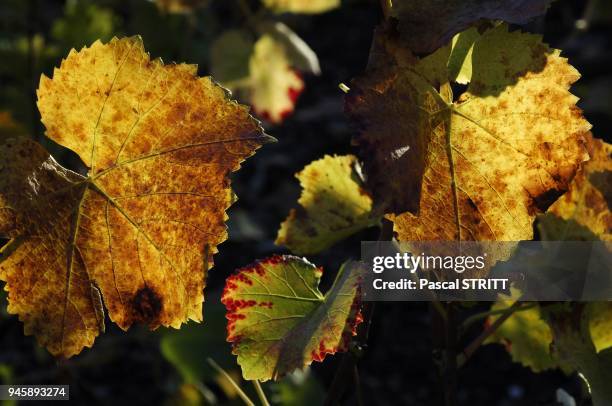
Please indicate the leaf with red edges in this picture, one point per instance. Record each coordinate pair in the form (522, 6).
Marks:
(274, 85)
(278, 320)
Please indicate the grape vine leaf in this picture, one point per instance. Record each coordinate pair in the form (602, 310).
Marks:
(584, 211)
(301, 6)
(262, 73)
(574, 349)
(489, 161)
(427, 25)
(333, 206)
(139, 230)
(279, 321)
(527, 335)
(600, 319)
(275, 85)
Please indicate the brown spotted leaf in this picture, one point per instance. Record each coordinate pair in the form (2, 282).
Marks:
(584, 211)
(138, 231)
(490, 159)
(426, 25)
(278, 320)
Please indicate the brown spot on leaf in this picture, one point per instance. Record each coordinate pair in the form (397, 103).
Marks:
(542, 202)
(146, 305)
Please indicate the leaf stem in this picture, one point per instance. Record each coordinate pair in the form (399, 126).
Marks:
(247, 401)
(348, 364)
(260, 393)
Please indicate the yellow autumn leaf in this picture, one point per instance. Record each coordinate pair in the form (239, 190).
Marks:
(301, 6)
(584, 209)
(600, 315)
(274, 85)
(333, 206)
(138, 231)
(490, 159)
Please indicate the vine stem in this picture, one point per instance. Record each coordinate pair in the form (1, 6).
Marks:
(348, 364)
(260, 393)
(479, 316)
(245, 398)
(444, 340)
(487, 332)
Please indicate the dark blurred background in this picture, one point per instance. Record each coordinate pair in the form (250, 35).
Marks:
(169, 367)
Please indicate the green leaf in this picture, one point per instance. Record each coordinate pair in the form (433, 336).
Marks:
(333, 206)
(574, 349)
(525, 334)
(600, 319)
(528, 336)
(460, 58)
(279, 321)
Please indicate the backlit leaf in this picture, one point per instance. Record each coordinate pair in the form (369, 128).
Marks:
(526, 336)
(138, 231)
(301, 6)
(489, 160)
(426, 25)
(278, 320)
(274, 85)
(333, 206)
(600, 319)
(574, 349)
(587, 202)
(262, 74)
